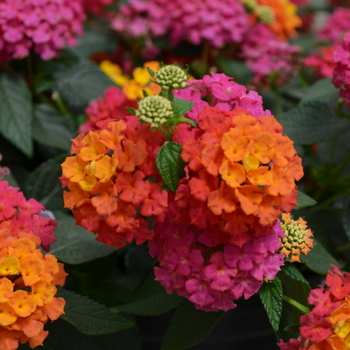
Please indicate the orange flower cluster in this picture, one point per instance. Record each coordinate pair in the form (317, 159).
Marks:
(286, 21)
(141, 80)
(107, 181)
(27, 290)
(298, 237)
(241, 170)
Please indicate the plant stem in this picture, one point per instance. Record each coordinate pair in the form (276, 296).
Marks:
(296, 304)
(279, 108)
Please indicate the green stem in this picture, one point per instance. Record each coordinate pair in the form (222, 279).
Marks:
(300, 307)
(279, 108)
(60, 106)
(343, 247)
(165, 133)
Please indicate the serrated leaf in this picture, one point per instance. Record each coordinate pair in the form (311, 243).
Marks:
(312, 122)
(43, 184)
(181, 106)
(75, 245)
(170, 165)
(52, 128)
(189, 326)
(150, 300)
(304, 201)
(81, 83)
(271, 296)
(90, 317)
(16, 111)
(323, 91)
(290, 270)
(318, 259)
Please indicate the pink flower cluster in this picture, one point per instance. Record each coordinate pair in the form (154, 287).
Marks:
(341, 76)
(337, 24)
(112, 106)
(45, 25)
(322, 62)
(219, 22)
(224, 93)
(204, 267)
(265, 54)
(20, 215)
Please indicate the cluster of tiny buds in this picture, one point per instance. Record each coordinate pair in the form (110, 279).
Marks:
(265, 14)
(171, 77)
(155, 110)
(298, 237)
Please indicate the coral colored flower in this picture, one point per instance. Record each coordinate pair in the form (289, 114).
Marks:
(322, 62)
(298, 238)
(47, 26)
(18, 214)
(327, 326)
(108, 179)
(286, 21)
(28, 282)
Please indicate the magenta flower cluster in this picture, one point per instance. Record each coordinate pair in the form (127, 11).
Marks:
(336, 25)
(20, 215)
(212, 275)
(225, 94)
(219, 22)
(45, 25)
(341, 75)
(264, 52)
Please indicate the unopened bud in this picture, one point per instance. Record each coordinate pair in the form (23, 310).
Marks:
(171, 77)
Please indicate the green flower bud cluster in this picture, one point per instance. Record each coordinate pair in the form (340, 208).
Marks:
(171, 77)
(155, 110)
(265, 14)
(250, 5)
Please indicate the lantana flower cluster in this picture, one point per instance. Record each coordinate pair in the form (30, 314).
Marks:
(222, 22)
(327, 326)
(28, 282)
(341, 76)
(20, 215)
(47, 26)
(217, 235)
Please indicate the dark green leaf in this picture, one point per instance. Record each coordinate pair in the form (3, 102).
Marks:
(271, 296)
(237, 70)
(318, 259)
(75, 245)
(312, 122)
(323, 91)
(150, 300)
(181, 106)
(16, 111)
(290, 270)
(43, 184)
(346, 216)
(52, 128)
(90, 317)
(304, 201)
(131, 110)
(189, 326)
(95, 39)
(81, 83)
(170, 164)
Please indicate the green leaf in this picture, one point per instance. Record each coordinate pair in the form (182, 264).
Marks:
(290, 270)
(189, 326)
(151, 72)
(271, 296)
(90, 317)
(304, 201)
(181, 106)
(43, 184)
(81, 83)
(75, 245)
(52, 128)
(236, 69)
(170, 164)
(323, 91)
(131, 110)
(345, 216)
(318, 259)
(150, 300)
(312, 122)
(16, 111)
(95, 39)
